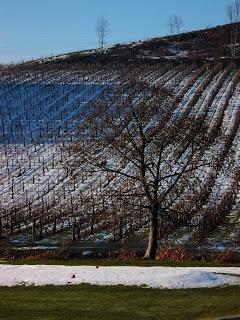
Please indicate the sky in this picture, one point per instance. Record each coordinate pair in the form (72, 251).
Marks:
(38, 28)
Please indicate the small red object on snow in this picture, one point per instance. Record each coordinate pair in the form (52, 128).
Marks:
(73, 276)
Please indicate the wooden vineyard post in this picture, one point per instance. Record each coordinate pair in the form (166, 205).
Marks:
(73, 232)
(55, 224)
(11, 225)
(41, 228)
(120, 228)
(79, 229)
(34, 229)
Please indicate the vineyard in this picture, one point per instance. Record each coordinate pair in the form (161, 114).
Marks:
(43, 191)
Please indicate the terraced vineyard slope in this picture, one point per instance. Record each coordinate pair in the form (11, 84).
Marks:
(42, 190)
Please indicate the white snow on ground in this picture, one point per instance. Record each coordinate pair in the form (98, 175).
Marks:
(154, 277)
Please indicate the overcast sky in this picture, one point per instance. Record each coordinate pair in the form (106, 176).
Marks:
(35, 28)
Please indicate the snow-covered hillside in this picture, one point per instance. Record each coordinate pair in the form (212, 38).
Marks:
(39, 114)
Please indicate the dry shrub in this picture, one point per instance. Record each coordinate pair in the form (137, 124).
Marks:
(126, 253)
(174, 253)
(228, 256)
(33, 254)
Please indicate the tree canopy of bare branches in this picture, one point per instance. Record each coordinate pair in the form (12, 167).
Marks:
(233, 15)
(135, 138)
(102, 29)
(175, 24)
(171, 25)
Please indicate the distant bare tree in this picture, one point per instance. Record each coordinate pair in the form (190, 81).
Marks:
(230, 16)
(178, 23)
(170, 25)
(230, 13)
(233, 15)
(102, 30)
(175, 24)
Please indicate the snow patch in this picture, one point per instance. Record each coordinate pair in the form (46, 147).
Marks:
(153, 277)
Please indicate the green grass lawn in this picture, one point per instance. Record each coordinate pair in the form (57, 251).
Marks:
(119, 262)
(87, 302)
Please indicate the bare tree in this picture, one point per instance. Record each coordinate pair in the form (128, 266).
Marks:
(230, 16)
(236, 20)
(102, 30)
(170, 25)
(135, 138)
(178, 23)
(175, 24)
(233, 15)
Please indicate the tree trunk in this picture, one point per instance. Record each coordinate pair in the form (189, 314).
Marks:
(235, 40)
(232, 45)
(153, 236)
(0, 226)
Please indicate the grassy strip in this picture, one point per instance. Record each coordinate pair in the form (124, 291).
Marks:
(118, 262)
(87, 302)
